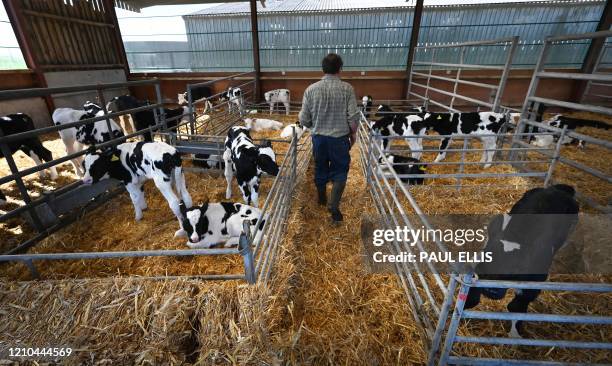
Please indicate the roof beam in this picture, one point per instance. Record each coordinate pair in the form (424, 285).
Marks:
(256, 61)
(414, 39)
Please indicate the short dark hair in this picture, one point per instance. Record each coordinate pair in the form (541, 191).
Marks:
(332, 64)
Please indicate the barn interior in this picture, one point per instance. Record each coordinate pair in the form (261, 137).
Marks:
(76, 269)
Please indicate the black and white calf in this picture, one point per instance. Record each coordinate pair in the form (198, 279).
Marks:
(77, 138)
(406, 165)
(247, 161)
(122, 103)
(561, 121)
(133, 163)
(199, 94)
(478, 124)
(523, 244)
(366, 105)
(17, 123)
(208, 161)
(278, 96)
(235, 99)
(218, 223)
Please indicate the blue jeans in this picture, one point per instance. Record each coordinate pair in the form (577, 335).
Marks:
(332, 158)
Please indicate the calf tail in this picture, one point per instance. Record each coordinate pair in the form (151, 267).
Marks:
(181, 186)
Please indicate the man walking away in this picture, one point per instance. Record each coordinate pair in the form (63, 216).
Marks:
(329, 109)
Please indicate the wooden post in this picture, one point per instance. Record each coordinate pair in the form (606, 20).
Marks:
(414, 39)
(595, 48)
(255, 36)
(109, 8)
(18, 22)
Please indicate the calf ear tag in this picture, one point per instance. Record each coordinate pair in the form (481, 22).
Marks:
(114, 158)
(439, 117)
(422, 168)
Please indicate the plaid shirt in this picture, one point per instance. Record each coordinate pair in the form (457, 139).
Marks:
(329, 105)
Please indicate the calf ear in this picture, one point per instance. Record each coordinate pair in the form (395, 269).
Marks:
(183, 209)
(266, 143)
(266, 164)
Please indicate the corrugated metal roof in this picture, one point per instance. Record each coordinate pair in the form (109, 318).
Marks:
(286, 6)
(306, 6)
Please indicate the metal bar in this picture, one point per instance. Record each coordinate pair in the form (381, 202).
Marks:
(414, 39)
(467, 66)
(570, 105)
(473, 361)
(109, 8)
(118, 254)
(244, 248)
(8, 156)
(471, 43)
(455, 319)
(533, 342)
(504, 78)
(573, 37)
(466, 82)
(555, 158)
(37, 14)
(210, 82)
(437, 338)
(535, 317)
(467, 175)
(472, 100)
(554, 286)
(44, 130)
(41, 92)
(575, 76)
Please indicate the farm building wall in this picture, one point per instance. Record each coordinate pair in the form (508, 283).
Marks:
(379, 84)
(378, 38)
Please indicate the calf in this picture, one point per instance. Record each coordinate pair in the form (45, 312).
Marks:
(234, 97)
(478, 124)
(561, 121)
(248, 161)
(198, 94)
(287, 132)
(523, 244)
(278, 96)
(17, 123)
(208, 161)
(407, 165)
(145, 119)
(76, 138)
(217, 223)
(260, 124)
(133, 163)
(122, 103)
(366, 105)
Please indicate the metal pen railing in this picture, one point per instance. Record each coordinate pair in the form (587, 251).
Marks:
(528, 120)
(494, 104)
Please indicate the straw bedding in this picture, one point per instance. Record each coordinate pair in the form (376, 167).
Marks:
(321, 307)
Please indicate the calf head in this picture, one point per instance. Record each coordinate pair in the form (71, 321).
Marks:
(383, 110)
(182, 98)
(195, 223)
(266, 159)
(99, 165)
(268, 96)
(91, 107)
(366, 101)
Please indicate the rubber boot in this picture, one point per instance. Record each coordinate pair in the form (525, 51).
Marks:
(334, 204)
(322, 194)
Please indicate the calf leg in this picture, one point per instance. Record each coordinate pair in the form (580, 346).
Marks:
(166, 190)
(519, 304)
(46, 156)
(135, 195)
(72, 148)
(227, 159)
(443, 146)
(286, 108)
(271, 107)
(415, 147)
(489, 143)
